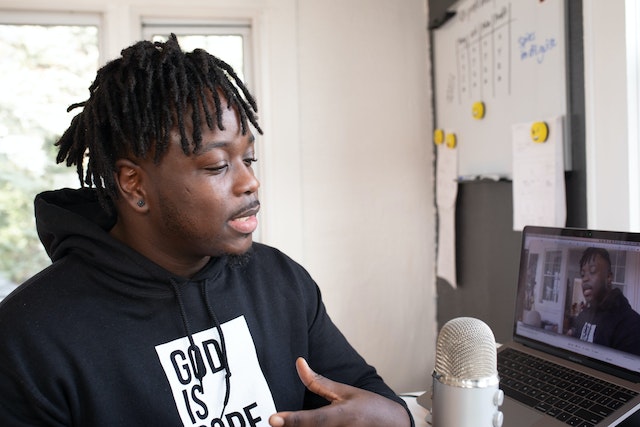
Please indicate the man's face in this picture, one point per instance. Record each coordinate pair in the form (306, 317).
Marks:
(204, 204)
(596, 279)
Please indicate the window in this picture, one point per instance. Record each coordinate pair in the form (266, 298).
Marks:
(622, 269)
(618, 267)
(551, 276)
(47, 62)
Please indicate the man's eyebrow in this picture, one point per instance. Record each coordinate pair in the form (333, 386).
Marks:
(213, 145)
(206, 147)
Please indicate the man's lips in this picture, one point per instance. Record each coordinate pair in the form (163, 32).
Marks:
(245, 222)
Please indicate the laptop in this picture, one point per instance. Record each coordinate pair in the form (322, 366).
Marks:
(569, 363)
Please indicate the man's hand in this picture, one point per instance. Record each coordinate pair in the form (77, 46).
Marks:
(349, 406)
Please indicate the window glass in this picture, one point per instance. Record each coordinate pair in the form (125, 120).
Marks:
(44, 69)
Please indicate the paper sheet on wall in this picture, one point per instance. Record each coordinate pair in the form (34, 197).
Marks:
(446, 196)
(538, 177)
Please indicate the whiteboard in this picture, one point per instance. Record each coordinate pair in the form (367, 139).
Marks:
(509, 55)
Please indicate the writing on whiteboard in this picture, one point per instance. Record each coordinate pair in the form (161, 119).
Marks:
(483, 56)
(532, 49)
(475, 6)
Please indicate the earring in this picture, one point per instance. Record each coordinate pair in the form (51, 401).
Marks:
(140, 203)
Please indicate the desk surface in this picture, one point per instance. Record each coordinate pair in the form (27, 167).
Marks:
(419, 413)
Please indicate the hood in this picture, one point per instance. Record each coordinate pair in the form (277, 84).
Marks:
(615, 301)
(66, 218)
(72, 221)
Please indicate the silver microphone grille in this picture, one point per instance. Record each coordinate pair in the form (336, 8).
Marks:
(466, 350)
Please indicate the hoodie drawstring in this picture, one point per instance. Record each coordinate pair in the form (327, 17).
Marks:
(223, 345)
(195, 355)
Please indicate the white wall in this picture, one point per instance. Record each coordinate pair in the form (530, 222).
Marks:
(343, 90)
(612, 157)
(366, 151)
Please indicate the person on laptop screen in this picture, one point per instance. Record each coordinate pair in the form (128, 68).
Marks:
(607, 317)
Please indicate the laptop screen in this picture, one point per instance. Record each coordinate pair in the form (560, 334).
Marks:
(579, 293)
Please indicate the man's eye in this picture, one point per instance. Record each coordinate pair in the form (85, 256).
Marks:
(250, 161)
(217, 169)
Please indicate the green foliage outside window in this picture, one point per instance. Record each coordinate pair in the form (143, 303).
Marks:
(44, 69)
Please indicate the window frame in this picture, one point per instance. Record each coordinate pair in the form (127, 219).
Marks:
(53, 18)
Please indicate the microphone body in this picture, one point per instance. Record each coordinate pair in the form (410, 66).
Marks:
(465, 389)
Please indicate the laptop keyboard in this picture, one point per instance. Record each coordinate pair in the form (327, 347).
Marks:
(576, 398)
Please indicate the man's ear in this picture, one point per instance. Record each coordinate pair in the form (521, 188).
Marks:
(129, 178)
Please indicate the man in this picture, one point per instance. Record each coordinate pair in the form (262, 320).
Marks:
(607, 318)
(159, 309)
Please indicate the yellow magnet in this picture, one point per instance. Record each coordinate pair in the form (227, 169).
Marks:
(539, 132)
(451, 140)
(438, 136)
(477, 110)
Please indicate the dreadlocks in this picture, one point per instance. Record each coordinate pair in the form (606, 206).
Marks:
(591, 252)
(137, 100)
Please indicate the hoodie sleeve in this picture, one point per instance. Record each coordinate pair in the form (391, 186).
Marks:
(28, 396)
(22, 406)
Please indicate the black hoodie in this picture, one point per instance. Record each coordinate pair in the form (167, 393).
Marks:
(106, 337)
(612, 323)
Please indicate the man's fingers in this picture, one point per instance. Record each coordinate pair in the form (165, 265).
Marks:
(277, 420)
(317, 383)
(320, 417)
(349, 406)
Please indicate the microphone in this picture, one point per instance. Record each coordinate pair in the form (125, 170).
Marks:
(465, 379)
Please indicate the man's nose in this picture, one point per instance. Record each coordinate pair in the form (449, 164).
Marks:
(246, 181)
